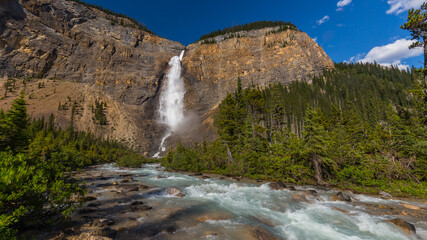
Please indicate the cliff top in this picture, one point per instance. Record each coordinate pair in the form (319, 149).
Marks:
(114, 17)
(277, 26)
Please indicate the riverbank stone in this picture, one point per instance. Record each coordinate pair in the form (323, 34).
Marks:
(404, 225)
(279, 185)
(341, 196)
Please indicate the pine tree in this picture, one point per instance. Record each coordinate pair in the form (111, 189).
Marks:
(14, 126)
(417, 25)
(315, 141)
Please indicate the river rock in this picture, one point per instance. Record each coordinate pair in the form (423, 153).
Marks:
(94, 204)
(105, 232)
(173, 191)
(126, 175)
(217, 215)
(138, 208)
(134, 203)
(211, 234)
(384, 194)
(87, 236)
(87, 210)
(90, 198)
(279, 185)
(306, 196)
(404, 225)
(204, 177)
(127, 179)
(103, 222)
(340, 196)
(410, 206)
(262, 234)
(196, 174)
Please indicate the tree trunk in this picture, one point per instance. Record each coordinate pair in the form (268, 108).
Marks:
(317, 162)
(425, 62)
(229, 155)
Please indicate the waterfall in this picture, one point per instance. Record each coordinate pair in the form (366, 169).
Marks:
(171, 107)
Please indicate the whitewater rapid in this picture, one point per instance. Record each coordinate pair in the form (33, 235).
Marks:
(171, 104)
(256, 205)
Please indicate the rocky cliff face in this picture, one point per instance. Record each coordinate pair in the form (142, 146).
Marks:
(64, 40)
(259, 57)
(105, 57)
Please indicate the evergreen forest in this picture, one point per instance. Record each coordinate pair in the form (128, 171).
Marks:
(37, 162)
(359, 127)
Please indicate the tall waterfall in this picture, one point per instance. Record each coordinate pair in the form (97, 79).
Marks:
(171, 108)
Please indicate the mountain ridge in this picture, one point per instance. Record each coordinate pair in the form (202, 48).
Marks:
(124, 65)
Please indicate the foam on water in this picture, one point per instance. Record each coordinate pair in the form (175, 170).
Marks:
(250, 204)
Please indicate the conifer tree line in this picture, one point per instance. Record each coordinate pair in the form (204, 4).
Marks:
(37, 160)
(360, 126)
(283, 26)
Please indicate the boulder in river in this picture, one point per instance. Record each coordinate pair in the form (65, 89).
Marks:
(216, 215)
(279, 185)
(413, 207)
(173, 191)
(341, 196)
(306, 196)
(404, 225)
(262, 234)
(385, 195)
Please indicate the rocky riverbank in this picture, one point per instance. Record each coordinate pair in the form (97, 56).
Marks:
(153, 204)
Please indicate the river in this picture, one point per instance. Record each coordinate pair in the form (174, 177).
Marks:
(215, 208)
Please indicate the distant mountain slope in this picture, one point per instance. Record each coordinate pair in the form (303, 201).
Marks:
(114, 59)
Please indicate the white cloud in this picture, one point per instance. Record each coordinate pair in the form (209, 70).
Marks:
(342, 3)
(340, 25)
(390, 54)
(323, 20)
(399, 6)
(315, 39)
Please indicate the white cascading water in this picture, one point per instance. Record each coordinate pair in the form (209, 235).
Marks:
(233, 208)
(171, 108)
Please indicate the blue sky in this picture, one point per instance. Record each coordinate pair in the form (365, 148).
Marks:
(348, 30)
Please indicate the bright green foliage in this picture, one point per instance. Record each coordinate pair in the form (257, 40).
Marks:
(13, 126)
(36, 159)
(360, 126)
